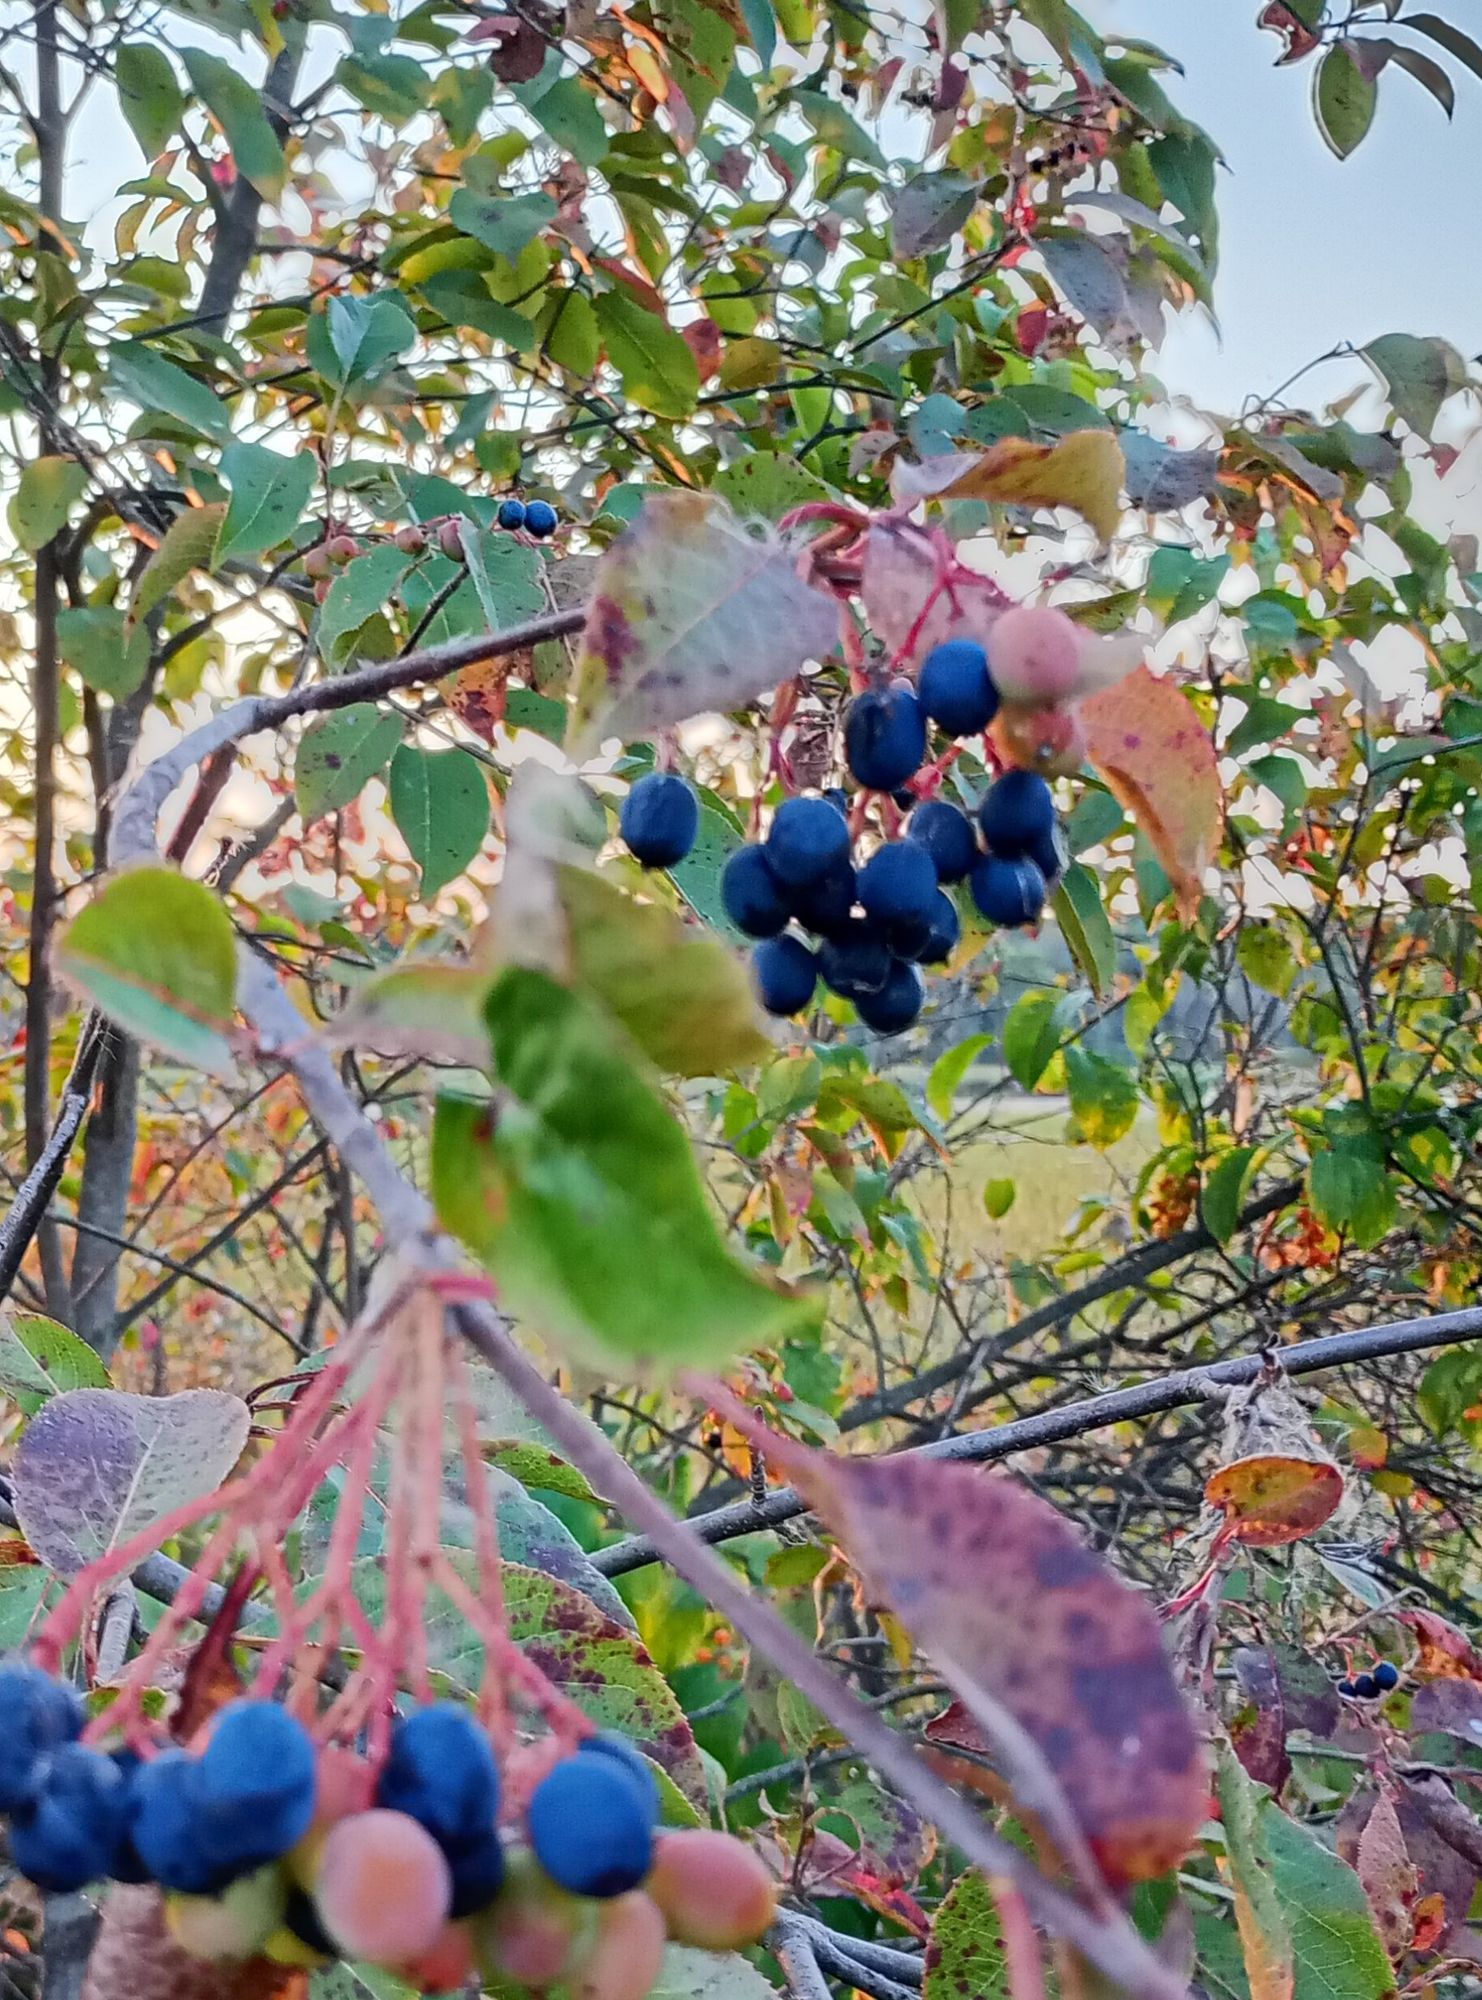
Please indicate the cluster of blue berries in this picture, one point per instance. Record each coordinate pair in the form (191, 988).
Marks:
(874, 925)
(536, 517)
(1368, 1687)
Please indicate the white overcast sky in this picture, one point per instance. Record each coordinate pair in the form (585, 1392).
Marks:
(1316, 250)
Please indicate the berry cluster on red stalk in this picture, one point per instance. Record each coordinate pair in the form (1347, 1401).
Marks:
(344, 1810)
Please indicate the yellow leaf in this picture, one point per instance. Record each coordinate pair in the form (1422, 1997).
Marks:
(1084, 471)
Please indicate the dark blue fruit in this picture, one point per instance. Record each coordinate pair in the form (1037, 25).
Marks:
(897, 1003)
(1346, 1687)
(629, 1756)
(809, 839)
(1017, 813)
(826, 906)
(884, 737)
(478, 1871)
(441, 1772)
(541, 519)
(67, 1833)
(1386, 1676)
(1011, 893)
(126, 1864)
(165, 1825)
(786, 974)
(591, 1826)
(37, 1714)
(511, 514)
(946, 832)
(1365, 1687)
(659, 819)
(752, 897)
(856, 961)
(254, 1786)
(897, 884)
(956, 689)
(937, 939)
(1051, 854)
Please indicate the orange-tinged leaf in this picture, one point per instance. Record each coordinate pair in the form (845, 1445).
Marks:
(1157, 758)
(1268, 1500)
(1445, 1653)
(1084, 471)
(1020, 1617)
(1388, 1875)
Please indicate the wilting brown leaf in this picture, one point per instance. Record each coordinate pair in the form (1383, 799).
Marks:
(1258, 1732)
(477, 694)
(1445, 1653)
(1157, 758)
(135, 1958)
(1390, 1882)
(1269, 1500)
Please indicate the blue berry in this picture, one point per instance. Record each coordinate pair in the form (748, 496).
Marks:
(478, 1871)
(69, 1831)
(809, 838)
(937, 939)
(511, 514)
(254, 1786)
(856, 961)
(751, 895)
(37, 1714)
(1365, 1687)
(897, 1003)
(946, 832)
(165, 1825)
(884, 737)
(897, 884)
(826, 906)
(786, 974)
(441, 1772)
(1017, 813)
(1346, 1687)
(956, 689)
(1386, 1676)
(591, 1826)
(126, 1864)
(632, 1759)
(660, 819)
(1011, 893)
(1051, 853)
(837, 796)
(541, 519)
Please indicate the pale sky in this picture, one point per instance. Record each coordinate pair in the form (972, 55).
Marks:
(1314, 250)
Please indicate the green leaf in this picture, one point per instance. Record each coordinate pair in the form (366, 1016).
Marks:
(156, 383)
(835, 127)
(568, 112)
(1298, 1905)
(1225, 1188)
(503, 223)
(40, 504)
(357, 593)
(237, 106)
(1343, 99)
(188, 543)
(682, 996)
(929, 211)
(767, 483)
(689, 1974)
(40, 1358)
(998, 1197)
(947, 1072)
(690, 613)
(1351, 1189)
(1081, 915)
(583, 1150)
(1419, 375)
(440, 802)
(659, 372)
(149, 95)
(339, 756)
(393, 87)
(156, 952)
(97, 643)
(535, 1465)
(369, 334)
(505, 575)
(269, 495)
(1031, 1035)
(1104, 1098)
(965, 1955)
(1266, 958)
(568, 331)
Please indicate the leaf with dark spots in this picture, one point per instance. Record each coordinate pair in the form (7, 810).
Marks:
(1022, 1619)
(1445, 1653)
(1450, 1707)
(1258, 1732)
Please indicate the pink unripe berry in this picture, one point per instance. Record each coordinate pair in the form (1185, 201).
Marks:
(450, 539)
(714, 1891)
(1034, 654)
(382, 1889)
